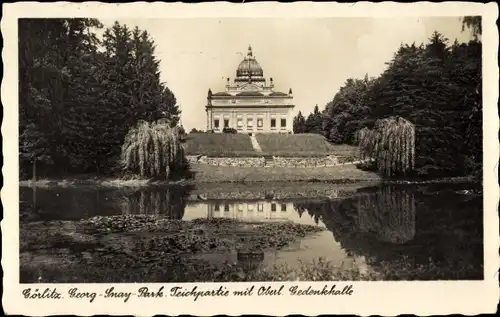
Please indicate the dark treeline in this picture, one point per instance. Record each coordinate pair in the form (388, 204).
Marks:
(79, 94)
(437, 87)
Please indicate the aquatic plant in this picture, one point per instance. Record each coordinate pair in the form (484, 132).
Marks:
(153, 150)
(391, 143)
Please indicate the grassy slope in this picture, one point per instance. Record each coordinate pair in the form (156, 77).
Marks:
(215, 144)
(238, 145)
(293, 142)
(302, 145)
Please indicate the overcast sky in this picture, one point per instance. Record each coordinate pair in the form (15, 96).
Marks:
(314, 57)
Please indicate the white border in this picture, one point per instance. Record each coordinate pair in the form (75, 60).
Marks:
(369, 298)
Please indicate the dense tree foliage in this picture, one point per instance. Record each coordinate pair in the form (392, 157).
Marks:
(299, 123)
(194, 130)
(347, 112)
(314, 121)
(79, 95)
(437, 87)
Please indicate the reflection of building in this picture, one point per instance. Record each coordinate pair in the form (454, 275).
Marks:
(250, 104)
(256, 210)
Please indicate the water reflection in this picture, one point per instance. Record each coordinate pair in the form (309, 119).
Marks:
(380, 224)
(387, 213)
(417, 224)
(84, 202)
(251, 210)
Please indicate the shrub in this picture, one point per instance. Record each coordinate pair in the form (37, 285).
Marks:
(229, 130)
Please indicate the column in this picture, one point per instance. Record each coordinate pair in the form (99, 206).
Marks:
(208, 119)
(211, 119)
(267, 122)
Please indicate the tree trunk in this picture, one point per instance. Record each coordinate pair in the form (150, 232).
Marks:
(34, 170)
(33, 188)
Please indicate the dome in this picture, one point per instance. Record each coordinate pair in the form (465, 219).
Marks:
(249, 66)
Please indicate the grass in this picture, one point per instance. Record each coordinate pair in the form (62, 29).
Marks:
(302, 145)
(222, 145)
(209, 174)
(287, 145)
(220, 174)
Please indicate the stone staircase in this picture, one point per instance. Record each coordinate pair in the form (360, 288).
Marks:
(269, 161)
(255, 144)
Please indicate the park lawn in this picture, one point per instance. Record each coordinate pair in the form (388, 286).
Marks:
(286, 145)
(302, 145)
(337, 174)
(220, 145)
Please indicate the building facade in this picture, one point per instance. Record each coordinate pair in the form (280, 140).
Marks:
(250, 104)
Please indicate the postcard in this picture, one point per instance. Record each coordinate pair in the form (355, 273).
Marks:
(250, 158)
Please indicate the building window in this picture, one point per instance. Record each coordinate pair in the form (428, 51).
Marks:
(283, 123)
(226, 123)
(250, 207)
(260, 122)
(273, 207)
(216, 207)
(226, 208)
(216, 123)
(240, 208)
(283, 207)
(240, 123)
(273, 123)
(250, 123)
(260, 207)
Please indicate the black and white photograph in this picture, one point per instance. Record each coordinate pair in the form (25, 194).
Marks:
(250, 149)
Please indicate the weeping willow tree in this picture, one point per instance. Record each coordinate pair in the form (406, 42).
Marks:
(389, 213)
(153, 150)
(391, 144)
(167, 203)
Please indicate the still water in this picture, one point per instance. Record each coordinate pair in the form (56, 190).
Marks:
(374, 225)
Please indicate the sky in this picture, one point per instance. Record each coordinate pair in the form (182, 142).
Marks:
(314, 57)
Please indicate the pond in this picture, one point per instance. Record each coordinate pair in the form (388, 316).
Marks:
(84, 234)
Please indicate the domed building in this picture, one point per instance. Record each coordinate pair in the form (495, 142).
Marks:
(250, 104)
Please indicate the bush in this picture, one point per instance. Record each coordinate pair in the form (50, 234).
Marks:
(229, 130)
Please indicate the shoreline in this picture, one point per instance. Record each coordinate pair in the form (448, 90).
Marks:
(233, 177)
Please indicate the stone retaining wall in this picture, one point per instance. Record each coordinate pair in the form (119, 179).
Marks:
(228, 161)
(305, 161)
(261, 161)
